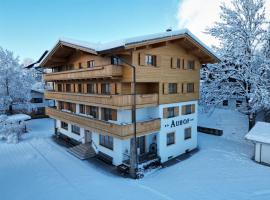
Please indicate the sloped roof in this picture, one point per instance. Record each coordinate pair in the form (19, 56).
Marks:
(260, 133)
(96, 48)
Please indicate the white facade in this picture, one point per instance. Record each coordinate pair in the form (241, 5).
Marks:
(121, 148)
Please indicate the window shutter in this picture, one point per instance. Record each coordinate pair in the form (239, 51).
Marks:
(174, 62)
(165, 112)
(99, 88)
(197, 65)
(184, 64)
(176, 111)
(184, 88)
(158, 60)
(114, 115)
(184, 110)
(196, 87)
(165, 88)
(113, 88)
(179, 88)
(141, 59)
(193, 108)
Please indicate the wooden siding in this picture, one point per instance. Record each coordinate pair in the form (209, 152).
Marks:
(109, 71)
(119, 131)
(111, 101)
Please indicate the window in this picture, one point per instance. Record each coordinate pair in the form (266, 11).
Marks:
(79, 88)
(36, 100)
(170, 138)
(92, 110)
(75, 129)
(108, 114)
(106, 141)
(238, 103)
(90, 88)
(105, 88)
(115, 61)
(172, 88)
(191, 64)
(178, 63)
(225, 103)
(59, 87)
(70, 67)
(187, 133)
(80, 65)
(150, 60)
(68, 88)
(60, 105)
(82, 109)
(90, 63)
(171, 112)
(64, 125)
(188, 109)
(71, 107)
(190, 87)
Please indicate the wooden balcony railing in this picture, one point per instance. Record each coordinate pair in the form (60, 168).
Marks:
(108, 71)
(113, 101)
(121, 131)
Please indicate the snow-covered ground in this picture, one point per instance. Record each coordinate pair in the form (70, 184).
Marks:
(39, 169)
(233, 123)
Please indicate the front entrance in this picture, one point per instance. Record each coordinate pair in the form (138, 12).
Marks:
(87, 136)
(141, 145)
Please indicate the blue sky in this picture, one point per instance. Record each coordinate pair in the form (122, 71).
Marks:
(28, 27)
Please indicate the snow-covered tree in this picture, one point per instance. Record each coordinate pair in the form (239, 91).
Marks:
(242, 72)
(15, 82)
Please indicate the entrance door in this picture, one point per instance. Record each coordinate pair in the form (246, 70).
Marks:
(87, 136)
(141, 144)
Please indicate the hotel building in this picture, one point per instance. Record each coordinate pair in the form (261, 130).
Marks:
(92, 89)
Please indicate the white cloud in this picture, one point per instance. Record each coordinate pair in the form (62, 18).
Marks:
(197, 15)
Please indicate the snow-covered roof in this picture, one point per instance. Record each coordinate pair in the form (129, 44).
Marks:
(99, 47)
(18, 117)
(260, 133)
(38, 87)
(134, 40)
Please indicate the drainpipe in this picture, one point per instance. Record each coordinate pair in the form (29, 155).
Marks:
(133, 141)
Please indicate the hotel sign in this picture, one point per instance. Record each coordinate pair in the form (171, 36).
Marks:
(174, 123)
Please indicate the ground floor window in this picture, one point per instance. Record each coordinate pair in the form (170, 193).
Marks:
(170, 138)
(187, 133)
(106, 141)
(75, 129)
(64, 125)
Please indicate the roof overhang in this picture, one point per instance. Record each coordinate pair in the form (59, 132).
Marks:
(62, 51)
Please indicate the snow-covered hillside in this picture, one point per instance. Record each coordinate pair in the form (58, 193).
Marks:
(37, 168)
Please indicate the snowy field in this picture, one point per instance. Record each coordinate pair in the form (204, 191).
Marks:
(39, 169)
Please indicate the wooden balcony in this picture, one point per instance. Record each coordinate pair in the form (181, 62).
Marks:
(108, 71)
(112, 101)
(116, 130)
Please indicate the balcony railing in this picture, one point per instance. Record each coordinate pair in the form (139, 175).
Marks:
(117, 130)
(108, 71)
(114, 101)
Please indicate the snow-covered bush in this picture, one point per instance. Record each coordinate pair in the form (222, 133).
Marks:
(11, 131)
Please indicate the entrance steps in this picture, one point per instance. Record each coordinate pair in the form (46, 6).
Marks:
(83, 151)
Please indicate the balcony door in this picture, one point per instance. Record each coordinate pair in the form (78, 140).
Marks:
(141, 145)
